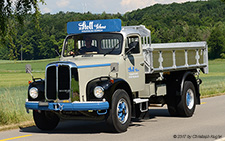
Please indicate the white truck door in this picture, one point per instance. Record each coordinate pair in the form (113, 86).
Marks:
(135, 73)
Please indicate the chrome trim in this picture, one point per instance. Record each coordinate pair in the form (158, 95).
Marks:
(57, 64)
(57, 82)
(155, 70)
(61, 63)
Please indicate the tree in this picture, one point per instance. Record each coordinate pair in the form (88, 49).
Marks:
(216, 41)
(15, 10)
(12, 13)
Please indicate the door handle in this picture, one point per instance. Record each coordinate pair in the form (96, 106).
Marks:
(142, 63)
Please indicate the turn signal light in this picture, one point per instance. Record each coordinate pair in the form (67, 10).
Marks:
(29, 82)
(112, 80)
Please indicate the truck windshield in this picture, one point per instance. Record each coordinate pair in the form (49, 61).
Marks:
(94, 43)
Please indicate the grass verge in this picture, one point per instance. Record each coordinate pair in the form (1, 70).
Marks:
(214, 82)
(12, 101)
(13, 90)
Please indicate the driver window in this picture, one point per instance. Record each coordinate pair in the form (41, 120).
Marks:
(70, 46)
(133, 41)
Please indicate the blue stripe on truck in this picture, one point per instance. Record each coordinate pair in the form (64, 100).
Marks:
(91, 66)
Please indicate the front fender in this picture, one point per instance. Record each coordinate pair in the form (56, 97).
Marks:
(40, 85)
(108, 85)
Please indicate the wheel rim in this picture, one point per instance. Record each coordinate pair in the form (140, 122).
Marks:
(190, 99)
(122, 111)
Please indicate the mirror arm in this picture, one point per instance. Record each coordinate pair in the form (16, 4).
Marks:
(129, 50)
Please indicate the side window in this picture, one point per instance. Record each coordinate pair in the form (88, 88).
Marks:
(133, 42)
(70, 44)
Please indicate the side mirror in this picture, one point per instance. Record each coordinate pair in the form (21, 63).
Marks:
(28, 68)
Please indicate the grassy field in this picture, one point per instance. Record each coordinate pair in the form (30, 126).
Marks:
(12, 105)
(12, 73)
(214, 82)
(13, 88)
(14, 84)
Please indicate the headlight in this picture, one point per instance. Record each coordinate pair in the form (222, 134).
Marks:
(33, 92)
(98, 92)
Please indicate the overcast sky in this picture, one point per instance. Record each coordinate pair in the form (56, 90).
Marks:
(99, 6)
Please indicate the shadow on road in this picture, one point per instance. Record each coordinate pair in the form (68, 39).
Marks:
(158, 113)
(93, 127)
(72, 127)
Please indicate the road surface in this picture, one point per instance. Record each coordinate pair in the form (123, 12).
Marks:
(208, 123)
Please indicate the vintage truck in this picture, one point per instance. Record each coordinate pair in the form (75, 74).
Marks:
(111, 72)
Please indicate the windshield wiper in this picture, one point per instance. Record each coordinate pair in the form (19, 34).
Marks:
(112, 49)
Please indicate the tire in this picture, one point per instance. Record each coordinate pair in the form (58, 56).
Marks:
(172, 106)
(187, 104)
(120, 113)
(45, 120)
(172, 99)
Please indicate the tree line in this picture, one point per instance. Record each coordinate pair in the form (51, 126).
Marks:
(190, 21)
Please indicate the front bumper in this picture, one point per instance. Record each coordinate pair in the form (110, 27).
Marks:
(75, 106)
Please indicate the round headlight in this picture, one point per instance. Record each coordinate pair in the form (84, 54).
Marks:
(33, 92)
(98, 92)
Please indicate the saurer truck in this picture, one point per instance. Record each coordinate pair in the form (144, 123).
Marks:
(114, 73)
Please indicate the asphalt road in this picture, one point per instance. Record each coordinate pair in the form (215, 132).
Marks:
(208, 123)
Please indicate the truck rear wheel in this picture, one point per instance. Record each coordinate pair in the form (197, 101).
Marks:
(120, 113)
(45, 120)
(172, 106)
(186, 106)
(172, 99)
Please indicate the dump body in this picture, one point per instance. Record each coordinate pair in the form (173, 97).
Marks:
(176, 56)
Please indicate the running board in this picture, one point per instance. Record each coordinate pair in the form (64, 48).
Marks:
(143, 104)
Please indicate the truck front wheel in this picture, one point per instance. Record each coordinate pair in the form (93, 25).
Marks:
(45, 120)
(186, 106)
(120, 113)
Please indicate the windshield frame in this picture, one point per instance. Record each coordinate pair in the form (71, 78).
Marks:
(98, 37)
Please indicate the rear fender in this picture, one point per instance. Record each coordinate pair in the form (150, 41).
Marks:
(189, 76)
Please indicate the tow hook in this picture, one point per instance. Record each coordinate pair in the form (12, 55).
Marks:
(58, 107)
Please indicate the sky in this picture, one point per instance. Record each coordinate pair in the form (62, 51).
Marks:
(99, 6)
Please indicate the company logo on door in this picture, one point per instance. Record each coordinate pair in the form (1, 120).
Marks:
(133, 72)
(90, 26)
(132, 69)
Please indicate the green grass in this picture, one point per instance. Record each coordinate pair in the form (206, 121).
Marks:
(12, 101)
(19, 66)
(214, 82)
(14, 84)
(12, 73)
(13, 88)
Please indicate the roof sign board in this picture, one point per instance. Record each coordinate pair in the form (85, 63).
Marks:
(110, 25)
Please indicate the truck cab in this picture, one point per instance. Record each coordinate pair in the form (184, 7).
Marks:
(112, 73)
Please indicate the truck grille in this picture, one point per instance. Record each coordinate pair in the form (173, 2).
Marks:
(64, 82)
(51, 83)
(58, 83)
